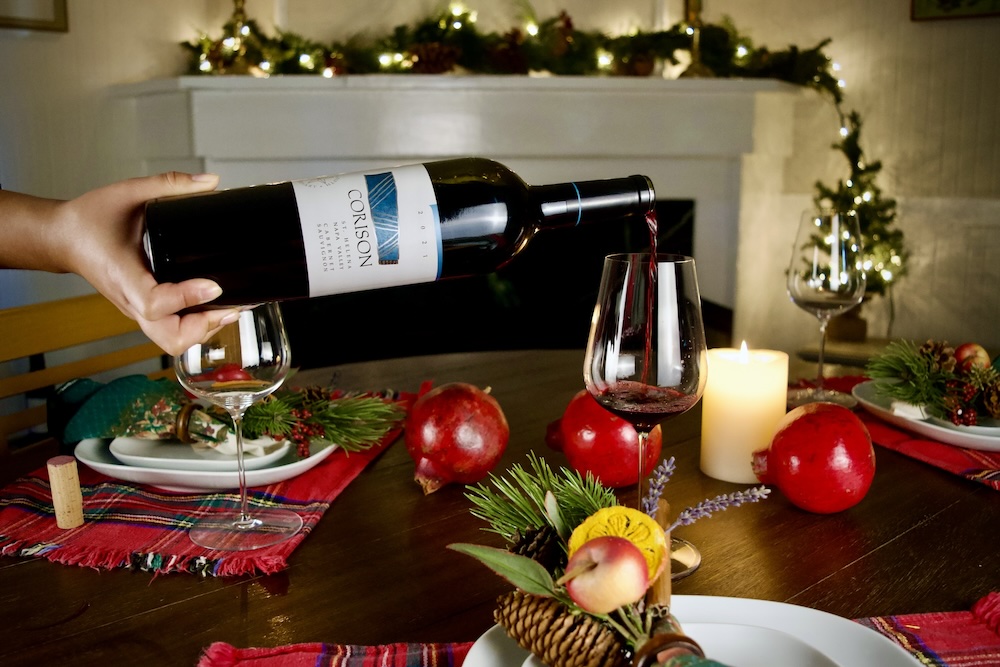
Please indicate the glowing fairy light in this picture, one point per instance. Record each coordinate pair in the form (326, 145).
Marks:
(265, 65)
(205, 65)
(328, 72)
(604, 59)
(457, 25)
(397, 58)
(742, 51)
(230, 43)
(385, 60)
(841, 84)
(245, 30)
(306, 61)
(531, 29)
(457, 9)
(844, 131)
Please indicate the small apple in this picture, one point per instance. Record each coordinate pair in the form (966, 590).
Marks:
(606, 573)
(969, 355)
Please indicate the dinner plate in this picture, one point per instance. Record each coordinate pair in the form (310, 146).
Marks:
(751, 632)
(174, 455)
(95, 453)
(881, 406)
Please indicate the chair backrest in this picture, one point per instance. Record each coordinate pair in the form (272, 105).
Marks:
(37, 330)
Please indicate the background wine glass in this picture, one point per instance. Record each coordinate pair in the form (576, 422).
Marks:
(240, 365)
(646, 357)
(826, 278)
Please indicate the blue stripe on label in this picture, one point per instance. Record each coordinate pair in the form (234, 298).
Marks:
(385, 215)
(579, 204)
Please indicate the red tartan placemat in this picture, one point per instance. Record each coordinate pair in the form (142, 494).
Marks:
(950, 639)
(140, 527)
(978, 466)
(337, 655)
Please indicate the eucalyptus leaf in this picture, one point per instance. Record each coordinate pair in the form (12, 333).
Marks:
(523, 572)
(555, 516)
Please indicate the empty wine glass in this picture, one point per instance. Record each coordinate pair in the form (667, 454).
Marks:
(240, 365)
(646, 356)
(826, 278)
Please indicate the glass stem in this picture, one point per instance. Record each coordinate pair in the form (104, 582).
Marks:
(822, 348)
(643, 483)
(241, 469)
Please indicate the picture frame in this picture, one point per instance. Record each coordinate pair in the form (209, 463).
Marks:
(48, 15)
(933, 10)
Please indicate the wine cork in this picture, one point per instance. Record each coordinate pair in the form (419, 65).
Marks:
(67, 499)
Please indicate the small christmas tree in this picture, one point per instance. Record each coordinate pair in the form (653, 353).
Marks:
(884, 252)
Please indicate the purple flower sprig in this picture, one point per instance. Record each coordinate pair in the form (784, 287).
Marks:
(705, 508)
(657, 481)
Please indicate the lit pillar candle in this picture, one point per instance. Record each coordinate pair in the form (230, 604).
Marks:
(744, 401)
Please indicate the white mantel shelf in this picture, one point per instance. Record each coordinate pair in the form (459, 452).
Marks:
(715, 141)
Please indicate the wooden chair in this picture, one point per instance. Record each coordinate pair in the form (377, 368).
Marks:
(34, 331)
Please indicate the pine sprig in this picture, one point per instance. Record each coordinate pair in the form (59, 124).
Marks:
(353, 422)
(912, 375)
(517, 503)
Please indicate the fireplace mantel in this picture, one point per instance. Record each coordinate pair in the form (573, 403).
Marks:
(719, 142)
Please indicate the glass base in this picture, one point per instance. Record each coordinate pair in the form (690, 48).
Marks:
(230, 532)
(797, 397)
(684, 558)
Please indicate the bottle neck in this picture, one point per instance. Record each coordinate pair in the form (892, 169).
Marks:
(569, 204)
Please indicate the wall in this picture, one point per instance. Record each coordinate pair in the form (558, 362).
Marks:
(927, 92)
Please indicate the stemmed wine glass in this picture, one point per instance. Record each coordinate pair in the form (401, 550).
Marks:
(646, 356)
(240, 365)
(826, 278)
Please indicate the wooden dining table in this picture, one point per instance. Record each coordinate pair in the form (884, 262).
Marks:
(377, 569)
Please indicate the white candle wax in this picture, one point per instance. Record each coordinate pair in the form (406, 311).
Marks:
(744, 401)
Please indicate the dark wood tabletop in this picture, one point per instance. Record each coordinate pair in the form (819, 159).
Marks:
(377, 568)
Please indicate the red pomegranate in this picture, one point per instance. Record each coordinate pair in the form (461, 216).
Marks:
(821, 458)
(601, 443)
(455, 433)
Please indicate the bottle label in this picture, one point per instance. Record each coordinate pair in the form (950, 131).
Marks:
(368, 230)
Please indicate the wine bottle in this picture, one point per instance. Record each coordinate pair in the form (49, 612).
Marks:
(368, 230)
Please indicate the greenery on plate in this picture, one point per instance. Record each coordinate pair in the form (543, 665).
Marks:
(931, 377)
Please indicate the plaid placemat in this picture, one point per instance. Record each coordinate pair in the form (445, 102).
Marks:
(140, 527)
(337, 655)
(949, 639)
(976, 465)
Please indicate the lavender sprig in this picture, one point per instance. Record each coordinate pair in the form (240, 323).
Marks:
(657, 481)
(706, 507)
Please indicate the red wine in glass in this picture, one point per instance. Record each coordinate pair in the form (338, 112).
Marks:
(646, 354)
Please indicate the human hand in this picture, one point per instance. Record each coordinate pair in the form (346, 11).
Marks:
(100, 233)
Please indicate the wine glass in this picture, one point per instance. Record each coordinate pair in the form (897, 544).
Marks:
(238, 366)
(826, 278)
(646, 357)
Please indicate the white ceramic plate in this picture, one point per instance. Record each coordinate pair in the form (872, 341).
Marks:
(95, 453)
(881, 406)
(174, 455)
(751, 632)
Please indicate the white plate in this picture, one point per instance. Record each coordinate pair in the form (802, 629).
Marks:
(808, 634)
(95, 453)
(174, 455)
(881, 406)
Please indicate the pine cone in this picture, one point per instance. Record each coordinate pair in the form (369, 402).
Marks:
(991, 399)
(940, 354)
(558, 637)
(433, 57)
(543, 546)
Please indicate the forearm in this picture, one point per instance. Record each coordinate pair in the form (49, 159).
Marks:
(30, 234)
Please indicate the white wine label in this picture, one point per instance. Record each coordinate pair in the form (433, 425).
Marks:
(368, 230)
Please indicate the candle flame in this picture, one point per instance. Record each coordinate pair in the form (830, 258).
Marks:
(744, 357)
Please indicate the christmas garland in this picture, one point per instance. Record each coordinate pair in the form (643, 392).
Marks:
(450, 41)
